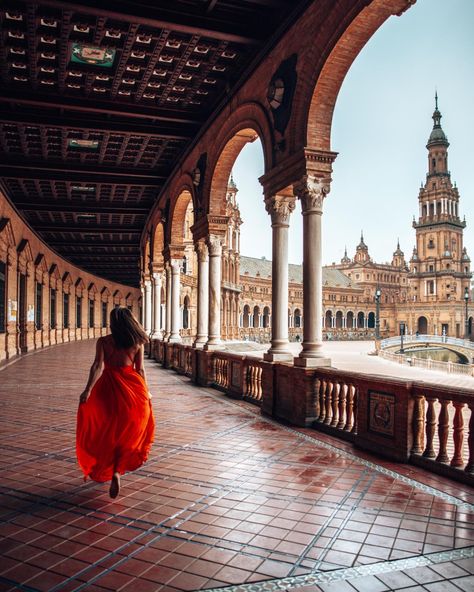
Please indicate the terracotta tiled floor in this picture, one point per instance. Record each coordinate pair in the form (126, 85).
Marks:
(228, 499)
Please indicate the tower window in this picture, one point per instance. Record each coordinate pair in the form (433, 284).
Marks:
(433, 163)
(431, 244)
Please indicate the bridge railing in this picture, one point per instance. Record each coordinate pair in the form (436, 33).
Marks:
(406, 360)
(405, 421)
(442, 339)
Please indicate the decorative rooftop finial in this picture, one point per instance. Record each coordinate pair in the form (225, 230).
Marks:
(436, 100)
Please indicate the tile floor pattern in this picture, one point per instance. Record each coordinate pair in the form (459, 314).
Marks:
(228, 500)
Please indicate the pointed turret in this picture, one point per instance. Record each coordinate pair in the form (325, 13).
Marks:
(437, 136)
(398, 259)
(362, 251)
(345, 260)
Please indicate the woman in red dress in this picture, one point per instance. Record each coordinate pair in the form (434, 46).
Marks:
(115, 424)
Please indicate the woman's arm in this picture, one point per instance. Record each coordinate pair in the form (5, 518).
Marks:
(95, 371)
(139, 365)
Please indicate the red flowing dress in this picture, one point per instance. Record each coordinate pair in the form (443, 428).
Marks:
(115, 426)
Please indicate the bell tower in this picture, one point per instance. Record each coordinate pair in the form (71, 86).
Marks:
(440, 267)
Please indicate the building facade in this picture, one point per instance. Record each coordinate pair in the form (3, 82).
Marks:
(427, 295)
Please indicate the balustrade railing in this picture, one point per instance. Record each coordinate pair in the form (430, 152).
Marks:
(443, 427)
(422, 339)
(428, 363)
(336, 404)
(429, 425)
(253, 380)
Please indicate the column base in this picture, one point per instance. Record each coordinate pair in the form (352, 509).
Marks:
(200, 342)
(312, 362)
(277, 356)
(175, 339)
(212, 346)
(156, 336)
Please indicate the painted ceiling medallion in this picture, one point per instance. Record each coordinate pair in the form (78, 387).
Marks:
(96, 56)
(84, 144)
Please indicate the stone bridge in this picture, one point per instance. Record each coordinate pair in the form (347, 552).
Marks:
(463, 347)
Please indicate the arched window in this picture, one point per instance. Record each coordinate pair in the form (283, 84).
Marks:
(371, 320)
(246, 316)
(256, 317)
(266, 317)
(186, 313)
(297, 318)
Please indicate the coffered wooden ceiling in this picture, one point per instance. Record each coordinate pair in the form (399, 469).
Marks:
(98, 100)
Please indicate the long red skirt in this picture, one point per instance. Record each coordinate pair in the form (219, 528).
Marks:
(115, 427)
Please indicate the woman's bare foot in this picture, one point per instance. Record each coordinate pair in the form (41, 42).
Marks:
(115, 486)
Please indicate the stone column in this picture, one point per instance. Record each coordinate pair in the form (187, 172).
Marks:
(203, 294)
(156, 306)
(214, 244)
(175, 311)
(168, 303)
(279, 207)
(148, 306)
(312, 193)
(142, 315)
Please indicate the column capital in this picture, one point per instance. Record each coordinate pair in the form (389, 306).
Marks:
(280, 208)
(312, 191)
(214, 244)
(202, 250)
(157, 277)
(175, 265)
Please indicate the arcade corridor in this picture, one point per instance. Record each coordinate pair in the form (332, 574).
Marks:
(228, 500)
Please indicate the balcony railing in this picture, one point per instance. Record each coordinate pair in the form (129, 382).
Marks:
(405, 421)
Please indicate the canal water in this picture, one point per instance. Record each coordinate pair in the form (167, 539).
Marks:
(439, 354)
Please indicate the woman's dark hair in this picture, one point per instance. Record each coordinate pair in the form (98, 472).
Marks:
(126, 330)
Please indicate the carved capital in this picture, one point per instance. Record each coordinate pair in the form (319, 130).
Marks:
(157, 278)
(214, 244)
(202, 251)
(176, 265)
(311, 192)
(280, 208)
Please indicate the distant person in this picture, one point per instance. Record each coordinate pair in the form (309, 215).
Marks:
(115, 424)
(417, 334)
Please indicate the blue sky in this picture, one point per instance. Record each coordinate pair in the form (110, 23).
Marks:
(381, 124)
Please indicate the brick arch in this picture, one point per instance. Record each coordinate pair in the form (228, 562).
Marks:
(146, 257)
(320, 92)
(157, 245)
(178, 216)
(244, 125)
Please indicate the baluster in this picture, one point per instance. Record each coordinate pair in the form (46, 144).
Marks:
(335, 404)
(316, 387)
(247, 381)
(328, 418)
(260, 390)
(355, 427)
(430, 428)
(458, 435)
(443, 432)
(227, 381)
(470, 442)
(418, 424)
(252, 382)
(322, 407)
(350, 408)
(342, 406)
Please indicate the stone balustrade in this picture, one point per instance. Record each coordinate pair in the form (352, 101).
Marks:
(401, 420)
